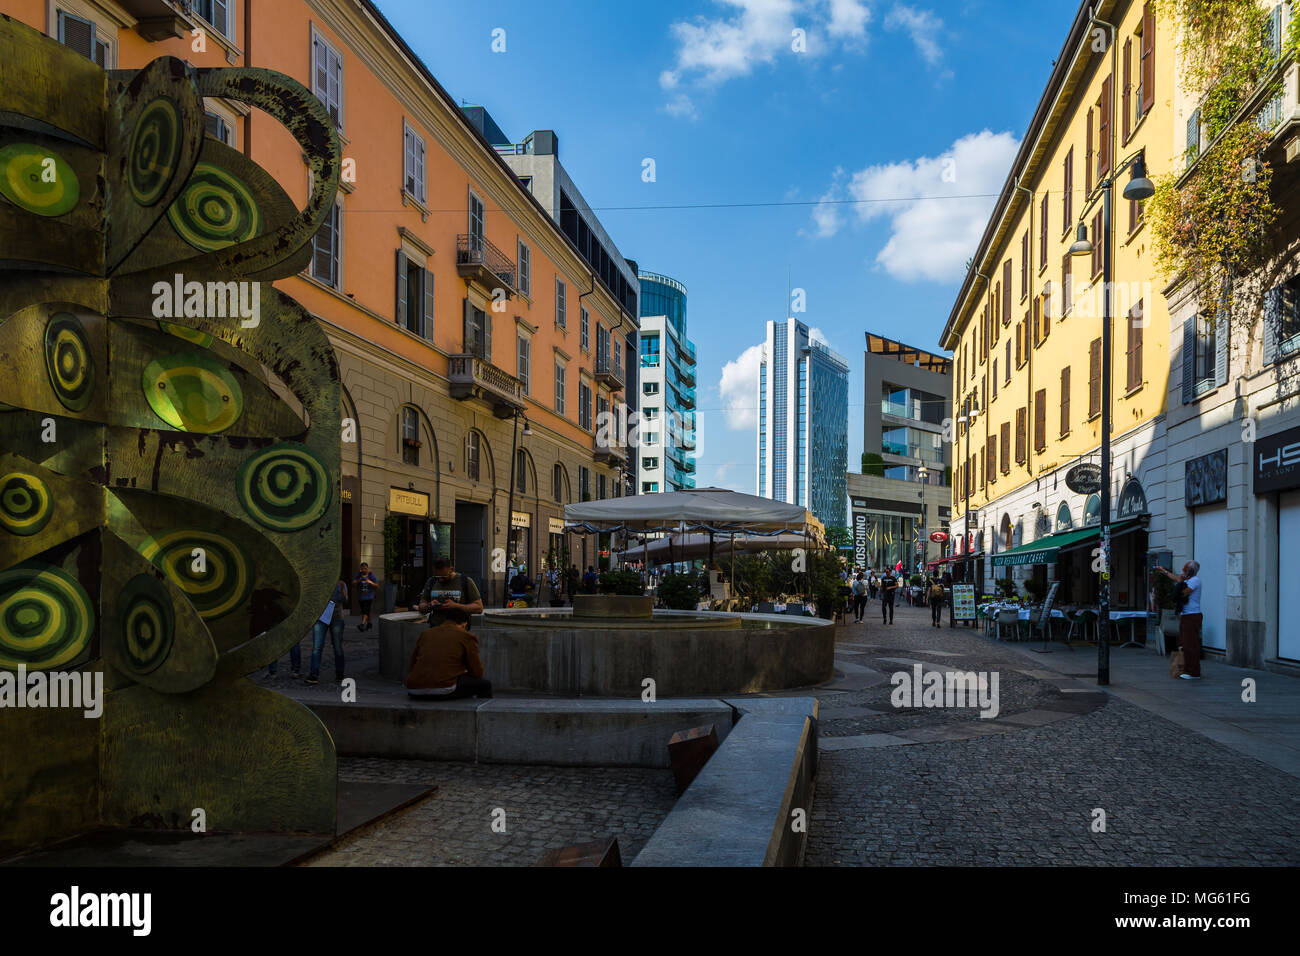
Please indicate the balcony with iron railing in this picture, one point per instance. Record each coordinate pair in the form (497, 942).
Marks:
(163, 19)
(609, 373)
(475, 378)
(478, 259)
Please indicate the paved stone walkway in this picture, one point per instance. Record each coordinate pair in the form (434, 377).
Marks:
(544, 808)
(1171, 796)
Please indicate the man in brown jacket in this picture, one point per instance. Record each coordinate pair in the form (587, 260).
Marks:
(445, 664)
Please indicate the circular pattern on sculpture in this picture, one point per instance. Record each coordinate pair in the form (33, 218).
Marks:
(208, 567)
(148, 625)
(68, 361)
(284, 487)
(154, 151)
(38, 180)
(45, 617)
(193, 393)
(193, 336)
(25, 506)
(214, 210)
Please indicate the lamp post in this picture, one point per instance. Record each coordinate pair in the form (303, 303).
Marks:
(968, 419)
(510, 512)
(1139, 187)
(922, 474)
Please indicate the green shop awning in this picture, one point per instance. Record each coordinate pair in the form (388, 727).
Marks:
(1047, 550)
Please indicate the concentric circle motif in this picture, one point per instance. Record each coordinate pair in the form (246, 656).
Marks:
(193, 393)
(38, 180)
(214, 210)
(25, 506)
(155, 150)
(208, 567)
(147, 624)
(284, 487)
(45, 617)
(193, 336)
(69, 362)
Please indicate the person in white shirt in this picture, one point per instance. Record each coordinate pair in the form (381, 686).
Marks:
(1189, 618)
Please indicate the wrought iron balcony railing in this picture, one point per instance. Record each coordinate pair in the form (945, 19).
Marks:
(609, 373)
(478, 257)
(473, 377)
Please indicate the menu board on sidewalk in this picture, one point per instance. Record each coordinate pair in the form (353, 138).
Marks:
(963, 602)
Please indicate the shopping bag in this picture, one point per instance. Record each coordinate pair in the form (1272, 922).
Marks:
(1176, 666)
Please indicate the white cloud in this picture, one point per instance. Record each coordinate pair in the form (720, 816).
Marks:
(922, 26)
(849, 19)
(738, 389)
(827, 216)
(937, 206)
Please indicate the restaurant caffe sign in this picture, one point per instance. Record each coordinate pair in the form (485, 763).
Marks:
(1277, 462)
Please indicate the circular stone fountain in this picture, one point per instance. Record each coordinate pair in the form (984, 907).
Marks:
(608, 645)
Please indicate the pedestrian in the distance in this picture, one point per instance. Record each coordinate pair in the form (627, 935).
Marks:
(365, 584)
(1190, 619)
(859, 597)
(331, 620)
(936, 593)
(888, 585)
(873, 583)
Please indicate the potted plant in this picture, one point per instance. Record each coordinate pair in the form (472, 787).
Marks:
(679, 592)
(1007, 587)
(1035, 588)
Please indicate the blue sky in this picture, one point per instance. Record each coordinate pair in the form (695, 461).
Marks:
(915, 107)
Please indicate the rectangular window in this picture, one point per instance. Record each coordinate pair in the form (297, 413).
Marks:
(219, 13)
(1284, 337)
(1134, 356)
(1065, 401)
(559, 388)
(1126, 91)
(1006, 364)
(410, 436)
(477, 222)
(1094, 379)
(327, 77)
(584, 483)
(217, 127)
(1024, 274)
(649, 487)
(1098, 246)
(1207, 333)
(1147, 85)
(1021, 453)
(1193, 136)
(561, 304)
(601, 485)
(414, 296)
(478, 332)
(584, 405)
(523, 361)
(995, 378)
(1042, 321)
(1005, 462)
(1005, 299)
(649, 463)
(525, 269)
(650, 388)
(1020, 341)
(1040, 420)
(991, 459)
(413, 180)
(82, 36)
(326, 248)
(1067, 192)
(1042, 232)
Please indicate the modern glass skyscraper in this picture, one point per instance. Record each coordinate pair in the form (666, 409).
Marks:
(803, 422)
(666, 446)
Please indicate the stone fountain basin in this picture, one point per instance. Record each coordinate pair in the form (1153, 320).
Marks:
(685, 653)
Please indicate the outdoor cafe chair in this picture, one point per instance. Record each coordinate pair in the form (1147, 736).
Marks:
(1081, 620)
(1007, 617)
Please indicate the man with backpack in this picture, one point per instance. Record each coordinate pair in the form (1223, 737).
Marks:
(859, 597)
(937, 595)
(448, 588)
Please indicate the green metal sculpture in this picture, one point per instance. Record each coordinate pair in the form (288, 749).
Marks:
(169, 447)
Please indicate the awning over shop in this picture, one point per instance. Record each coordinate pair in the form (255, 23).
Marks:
(1047, 550)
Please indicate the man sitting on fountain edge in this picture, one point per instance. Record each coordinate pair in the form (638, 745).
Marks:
(445, 663)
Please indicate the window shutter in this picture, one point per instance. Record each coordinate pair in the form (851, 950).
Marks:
(1020, 345)
(1043, 302)
(1006, 447)
(487, 336)
(1087, 162)
(1040, 419)
(1148, 56)
(1274, 30)
(401, 288)
(1272, 324)
(1103, 128)
(1067, 196)
(1135, 347)
(469, 326)
(220, 19)
(1127, 92)
(1065, 400)
(1042, 236)
(1189, 360)
(1221, 348)
(1094, 378)
(427, 324)
(1006, 292)
(1021, 416)
(77, 33)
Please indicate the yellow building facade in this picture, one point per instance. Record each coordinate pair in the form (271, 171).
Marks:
(1026, 329)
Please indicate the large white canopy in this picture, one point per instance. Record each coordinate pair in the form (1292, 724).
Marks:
(691, 547)
(716, 510)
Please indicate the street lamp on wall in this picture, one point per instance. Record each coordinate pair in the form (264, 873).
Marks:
(1139, 188)
(510, 511)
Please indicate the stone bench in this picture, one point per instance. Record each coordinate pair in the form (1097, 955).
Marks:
(740, 809)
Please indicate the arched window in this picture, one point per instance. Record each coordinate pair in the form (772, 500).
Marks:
(473, 455)
(1064, 521)
(1092, 510)
(410, 435)
(1006, 532)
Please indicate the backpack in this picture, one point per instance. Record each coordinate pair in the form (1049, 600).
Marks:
(936, 590)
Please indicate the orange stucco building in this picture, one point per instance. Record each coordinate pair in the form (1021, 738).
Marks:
(456, 305)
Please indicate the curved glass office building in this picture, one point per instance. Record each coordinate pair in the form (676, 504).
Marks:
(666, 449)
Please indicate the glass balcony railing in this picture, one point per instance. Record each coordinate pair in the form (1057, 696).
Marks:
(892, 408)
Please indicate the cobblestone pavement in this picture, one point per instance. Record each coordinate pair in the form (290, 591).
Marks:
(545, 808)
(1171, 796)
